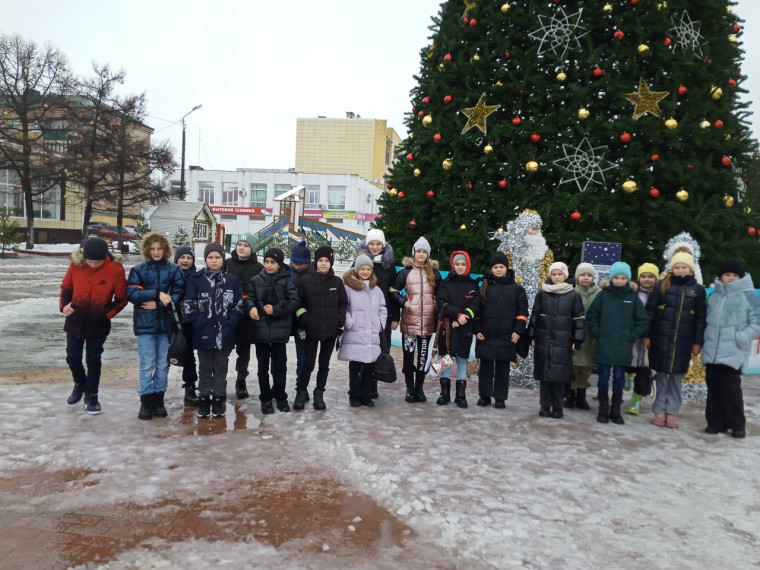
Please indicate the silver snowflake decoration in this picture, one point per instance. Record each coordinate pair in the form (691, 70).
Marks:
(584, 163)
(741, 186)
(687, 34)
(559, 31)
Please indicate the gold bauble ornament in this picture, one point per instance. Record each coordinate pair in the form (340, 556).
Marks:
(728, 201)
(488, 149)
(498, 83)
(583, 113)
(561, 76)
(671, 123)
(531, 166)
(393, 192)
(475, 57)
(662, 5)
(733, 39)
(682, 195)
(417, 172)
(463, 227)
(447, 164)
(643, 48)
(704, 125)
(629, 187)
(504, 8)
(607, 9)
(441, 67)
(716, 92)
(729, 10)
(500, 229)
(727, 137)
(426, 120)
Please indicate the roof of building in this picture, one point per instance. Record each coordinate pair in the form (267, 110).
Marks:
(168, 216)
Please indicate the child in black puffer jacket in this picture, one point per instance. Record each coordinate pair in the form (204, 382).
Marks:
(458, 300)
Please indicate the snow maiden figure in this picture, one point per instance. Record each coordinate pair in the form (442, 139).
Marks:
(530, 258)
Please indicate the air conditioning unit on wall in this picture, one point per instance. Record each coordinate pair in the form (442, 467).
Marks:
(242, 193)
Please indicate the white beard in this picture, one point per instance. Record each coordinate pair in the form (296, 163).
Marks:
(535, 248)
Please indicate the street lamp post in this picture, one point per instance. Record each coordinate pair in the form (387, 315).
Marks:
(182, 166)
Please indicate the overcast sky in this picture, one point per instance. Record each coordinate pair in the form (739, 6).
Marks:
(257, 66)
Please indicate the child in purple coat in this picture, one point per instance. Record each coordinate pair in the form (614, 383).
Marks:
(365, 318)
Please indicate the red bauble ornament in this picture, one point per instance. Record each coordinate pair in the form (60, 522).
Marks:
(473, 23)
(667, 42)
(437, 137)
(414, 110)
(597, 72)
(516, 121)
(400, 194)
(469, 185)
(507, 55)
(625, 138)
(751, 231)
(421, 113)
(654, 192)
(447, 99)
(426, 100)
(430, 193)
(89, 197)
(732, 84)
(535, 137)
(576, 216)
(654, 158)
(634, 2)
(30, 177)
(725, 161)
(708, 61)
(413, 224)
(410, 157)
(502, 184)
(737, 28)
(389, 186)
(681, 90)
(618, 35)
(447, 57)
(718, 124)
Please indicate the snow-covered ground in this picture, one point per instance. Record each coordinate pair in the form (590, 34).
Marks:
(474, 488)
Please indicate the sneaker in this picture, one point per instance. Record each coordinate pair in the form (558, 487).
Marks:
(218, 407)
(93, 406)
(482, 402)
(635, 406)
(671, 421)
(659, 420)
(76, 395)
(283, 406)
(267, 407)
(499, 404)
(204, 407)
(300, 402)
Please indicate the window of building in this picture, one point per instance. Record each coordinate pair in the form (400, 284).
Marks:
(201, 231)
(206, 192)
(174, 189)
(280, 189)
(47, 205)
(229, 193)
(336, 197)
(258, 195)
(312, 197)
(59, 125)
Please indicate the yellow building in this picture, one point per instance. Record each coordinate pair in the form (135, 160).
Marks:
(353, 145)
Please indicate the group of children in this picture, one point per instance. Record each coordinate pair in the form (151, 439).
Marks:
(574, 325)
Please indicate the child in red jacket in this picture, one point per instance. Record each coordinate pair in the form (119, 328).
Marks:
(94, 290)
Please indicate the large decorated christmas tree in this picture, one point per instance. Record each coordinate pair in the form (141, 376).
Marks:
(617, 122)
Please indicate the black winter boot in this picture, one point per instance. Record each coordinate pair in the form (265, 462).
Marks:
(191, 398)
(319, 401)
(580, 399)
(158, 405)
(146, 407)
(76, 394)
(241, 390)
(410, 393)
(204, 406)
(570, 399)
(419, 394)
(445, 396)
(218, 406)
(604, 408)
(617, 400)
(373, 391)
(544, 411)
(460, 399)
(300, 402)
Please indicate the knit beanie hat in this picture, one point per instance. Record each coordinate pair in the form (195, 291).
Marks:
(325, 251)
(732, 266)
(95, 249)
(499, 258)
(375, 235)
(584, 268)
(217, 247)
(457, 255)
(620, 268)
(184, 250)
(361, 261)
(277, 254)
(647, 268)
(250, 239)
(561, 266)
(682, 257)
(423, 244)
(300, 253)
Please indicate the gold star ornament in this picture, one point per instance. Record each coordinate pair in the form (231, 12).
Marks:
(646, 100)
(476, 116)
